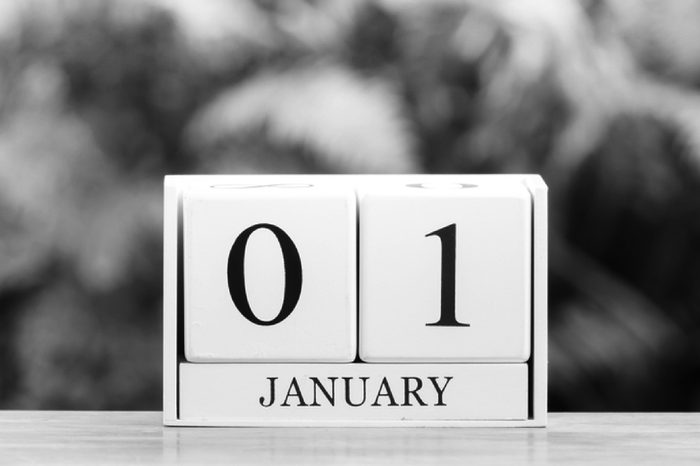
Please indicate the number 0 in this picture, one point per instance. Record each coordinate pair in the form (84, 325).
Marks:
(292, 274)
(448, 240)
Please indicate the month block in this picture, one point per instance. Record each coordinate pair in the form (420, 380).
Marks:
(445, 272)
(288, 393)
(269, 273)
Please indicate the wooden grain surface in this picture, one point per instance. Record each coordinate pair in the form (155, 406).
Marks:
(50, 437)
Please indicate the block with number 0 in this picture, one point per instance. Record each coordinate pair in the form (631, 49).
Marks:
(269, 273)
(380, 300)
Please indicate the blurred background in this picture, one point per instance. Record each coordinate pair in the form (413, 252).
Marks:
(100, 99)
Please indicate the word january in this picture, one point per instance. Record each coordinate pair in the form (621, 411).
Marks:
(312, 391)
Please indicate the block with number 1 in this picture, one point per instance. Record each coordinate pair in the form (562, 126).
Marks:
(445, 272)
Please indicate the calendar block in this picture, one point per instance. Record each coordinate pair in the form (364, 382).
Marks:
(445, 272)
(380, 300)
(269, 273)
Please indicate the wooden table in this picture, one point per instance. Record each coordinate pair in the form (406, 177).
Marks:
(52, 437)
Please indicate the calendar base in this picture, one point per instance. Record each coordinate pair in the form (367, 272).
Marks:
(353, 394)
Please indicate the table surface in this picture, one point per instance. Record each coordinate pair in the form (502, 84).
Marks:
(69, 437)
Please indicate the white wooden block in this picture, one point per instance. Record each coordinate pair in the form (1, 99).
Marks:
(445, 272)
(352, 394)
(270, 273)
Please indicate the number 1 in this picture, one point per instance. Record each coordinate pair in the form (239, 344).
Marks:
(448, 240)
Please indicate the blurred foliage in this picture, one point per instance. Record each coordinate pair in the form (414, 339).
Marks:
(98, 100)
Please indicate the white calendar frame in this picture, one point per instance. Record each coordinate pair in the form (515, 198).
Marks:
(536, 384)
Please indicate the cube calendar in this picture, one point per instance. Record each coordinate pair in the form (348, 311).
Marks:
(355, 300)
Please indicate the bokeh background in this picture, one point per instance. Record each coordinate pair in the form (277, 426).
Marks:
(100, 99)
